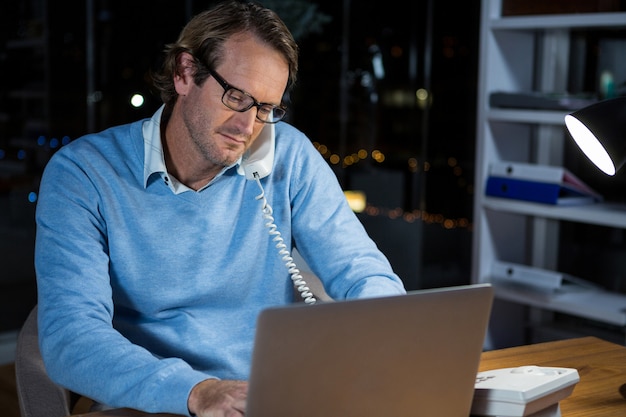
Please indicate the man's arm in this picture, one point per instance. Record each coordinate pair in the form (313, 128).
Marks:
(81, 349)
(326, 232)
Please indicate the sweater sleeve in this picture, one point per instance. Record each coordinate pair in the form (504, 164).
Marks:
(81, 349)
(326, 231)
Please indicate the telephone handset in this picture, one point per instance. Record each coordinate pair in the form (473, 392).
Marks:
(257, 163)
(259, 158)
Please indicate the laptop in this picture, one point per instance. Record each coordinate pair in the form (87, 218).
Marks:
(408, 355)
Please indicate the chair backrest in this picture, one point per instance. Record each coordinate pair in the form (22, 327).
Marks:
(38, 396)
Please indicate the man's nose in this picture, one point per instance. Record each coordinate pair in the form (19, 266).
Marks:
(247, 120)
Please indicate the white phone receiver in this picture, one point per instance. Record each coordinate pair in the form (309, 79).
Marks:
(259, 158)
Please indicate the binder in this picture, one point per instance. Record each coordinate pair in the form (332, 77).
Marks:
(508, 272)
(535, 172)
(525, 275)
(539, 184)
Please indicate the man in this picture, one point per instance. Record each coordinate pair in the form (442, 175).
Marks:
(153, 256)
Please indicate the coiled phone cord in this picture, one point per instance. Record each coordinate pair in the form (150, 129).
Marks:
(294, 272)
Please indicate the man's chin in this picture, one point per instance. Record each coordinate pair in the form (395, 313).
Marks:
(231, 159)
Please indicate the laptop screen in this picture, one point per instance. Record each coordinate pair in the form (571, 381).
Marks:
(407, 355)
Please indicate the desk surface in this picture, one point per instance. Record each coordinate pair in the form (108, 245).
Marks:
(600, 364)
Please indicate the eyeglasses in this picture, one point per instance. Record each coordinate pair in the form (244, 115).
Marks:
(240, 101)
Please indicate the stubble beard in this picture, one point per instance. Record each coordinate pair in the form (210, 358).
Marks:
(203, 139)
(213, 153)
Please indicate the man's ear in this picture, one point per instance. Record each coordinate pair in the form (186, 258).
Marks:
(185, 68)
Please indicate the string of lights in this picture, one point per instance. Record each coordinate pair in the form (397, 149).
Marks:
(413, 166)
(347, 161)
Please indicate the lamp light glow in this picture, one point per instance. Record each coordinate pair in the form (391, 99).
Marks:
(590, 145)
(599, 130)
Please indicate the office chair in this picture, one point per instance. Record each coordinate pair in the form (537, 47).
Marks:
(38, 396)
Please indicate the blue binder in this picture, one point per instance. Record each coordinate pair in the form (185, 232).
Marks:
(537, 191)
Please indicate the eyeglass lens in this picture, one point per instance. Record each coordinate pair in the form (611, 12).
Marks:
(241, 101)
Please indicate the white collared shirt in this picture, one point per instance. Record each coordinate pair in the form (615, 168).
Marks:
(154, 158)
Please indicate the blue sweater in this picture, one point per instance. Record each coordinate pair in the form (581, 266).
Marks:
(144, 292)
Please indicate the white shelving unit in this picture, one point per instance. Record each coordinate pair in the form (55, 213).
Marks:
(524, 54)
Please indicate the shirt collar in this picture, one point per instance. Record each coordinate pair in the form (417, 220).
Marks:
(154, 158)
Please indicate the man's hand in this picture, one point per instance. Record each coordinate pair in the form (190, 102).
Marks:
(216, 398)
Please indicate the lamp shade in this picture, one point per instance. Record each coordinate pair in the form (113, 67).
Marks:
(600, 132)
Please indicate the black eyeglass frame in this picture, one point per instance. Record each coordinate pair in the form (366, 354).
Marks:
(277, 112)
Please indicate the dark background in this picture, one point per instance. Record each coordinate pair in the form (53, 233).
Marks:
(69, 68)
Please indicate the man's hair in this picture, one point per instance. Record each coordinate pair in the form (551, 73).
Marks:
(204, 36)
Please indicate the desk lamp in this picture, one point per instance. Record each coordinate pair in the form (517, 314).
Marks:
(600, 132)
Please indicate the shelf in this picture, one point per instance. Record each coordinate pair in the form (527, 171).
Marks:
(552, 117)
(577, 327)
(28, 94)
(36, 124)
(601, 214)
(11, 168)
(24, 143)
(599, 305)
(26, 43)
(561, 21)
(521, 57)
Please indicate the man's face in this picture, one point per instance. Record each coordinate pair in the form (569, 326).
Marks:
(218, 134)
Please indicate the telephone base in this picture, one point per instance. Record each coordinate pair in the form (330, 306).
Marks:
(552, 411)
(525, 391)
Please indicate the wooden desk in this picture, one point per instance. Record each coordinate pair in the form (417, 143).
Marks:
(600, 364)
